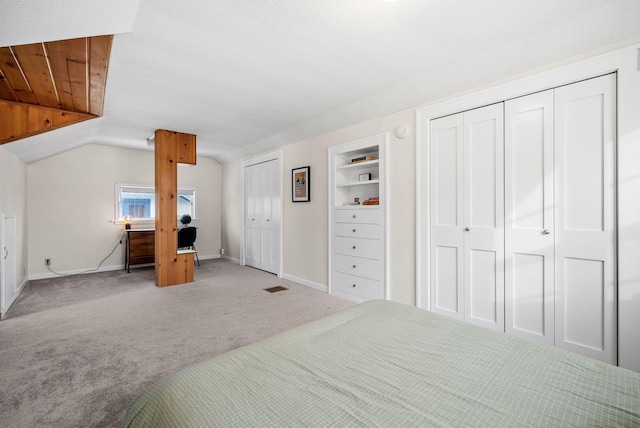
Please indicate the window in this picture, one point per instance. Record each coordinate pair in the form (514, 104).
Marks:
(139, 202)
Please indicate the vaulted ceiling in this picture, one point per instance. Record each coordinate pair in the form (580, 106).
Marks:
(248, 76)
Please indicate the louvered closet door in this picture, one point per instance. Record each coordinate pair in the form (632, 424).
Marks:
(585, 140)
(253, 218)
(269, 184)
(529, 216)
(483, 216)
(446, 192)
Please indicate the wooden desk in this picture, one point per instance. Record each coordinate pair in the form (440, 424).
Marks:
(141, 247)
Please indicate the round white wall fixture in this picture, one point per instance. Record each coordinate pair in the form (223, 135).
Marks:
(402, 131)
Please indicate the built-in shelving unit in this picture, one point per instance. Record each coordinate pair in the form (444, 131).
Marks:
(356, 219)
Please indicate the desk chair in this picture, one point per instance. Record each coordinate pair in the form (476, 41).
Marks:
(187, 238)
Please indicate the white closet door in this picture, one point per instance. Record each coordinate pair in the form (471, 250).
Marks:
(270, 216)
(447, 266)
(529, 205)
(585, 140)
(483, 216)
(253, 220)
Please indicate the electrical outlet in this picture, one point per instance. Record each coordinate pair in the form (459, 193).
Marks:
(222, 251)
(47, 262)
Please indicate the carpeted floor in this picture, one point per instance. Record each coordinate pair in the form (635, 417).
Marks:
(75, 351)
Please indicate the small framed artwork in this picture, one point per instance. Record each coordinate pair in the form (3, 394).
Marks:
(365, 176)
(301, 184)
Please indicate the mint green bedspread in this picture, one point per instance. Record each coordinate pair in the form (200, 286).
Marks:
(383, 364)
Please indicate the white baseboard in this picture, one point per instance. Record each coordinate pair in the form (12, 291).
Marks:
(231, 259)
(306, 282)
(103, 269)
(74, 272)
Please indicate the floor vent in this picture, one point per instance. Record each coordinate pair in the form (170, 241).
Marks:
(275, 289)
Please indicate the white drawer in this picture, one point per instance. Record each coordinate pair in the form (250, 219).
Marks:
(371, 231)
(358, 247)
(357, 216)
(363, 287)
(366, 268)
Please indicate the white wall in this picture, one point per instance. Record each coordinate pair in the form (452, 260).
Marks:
(71, 200)
(305, 225)
(231, 209)
(13, 200)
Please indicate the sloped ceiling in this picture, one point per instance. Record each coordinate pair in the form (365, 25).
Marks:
(248, 76)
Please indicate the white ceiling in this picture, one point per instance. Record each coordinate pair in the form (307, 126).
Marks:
(248, 76)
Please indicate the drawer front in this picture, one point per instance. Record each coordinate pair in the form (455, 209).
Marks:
(357, 216)
(366, 268)
(142, 259)
(142, 238)
(363, 287)
(371, 231)
(358, 247)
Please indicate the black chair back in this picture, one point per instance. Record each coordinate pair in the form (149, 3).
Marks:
(186, 237)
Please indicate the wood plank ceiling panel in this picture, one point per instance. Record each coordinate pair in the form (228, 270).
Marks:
(35, 67)
(68, 76)
(15, 78)
(68, 59)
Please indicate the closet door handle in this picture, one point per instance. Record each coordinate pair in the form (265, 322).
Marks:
(546, 232)
(6, 253)
(467, 228)
(354, 231)
(354, 247)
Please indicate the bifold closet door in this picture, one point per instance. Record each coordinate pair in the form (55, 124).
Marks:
(529, 217)
(253, 220)
(446, 162)
(467, 216)
(484, 216)
(585, 152)
(269, 235)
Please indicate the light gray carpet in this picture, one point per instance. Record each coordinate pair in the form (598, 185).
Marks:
(75, 351)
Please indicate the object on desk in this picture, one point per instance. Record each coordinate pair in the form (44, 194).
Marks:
(364, 177)
(372, 201)
(127, 222)
(362, 159)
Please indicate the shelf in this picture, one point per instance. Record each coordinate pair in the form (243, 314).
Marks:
(356, 207)
(356, 165)
(358, 183)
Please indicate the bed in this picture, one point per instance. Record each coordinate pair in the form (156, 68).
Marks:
(383, 364)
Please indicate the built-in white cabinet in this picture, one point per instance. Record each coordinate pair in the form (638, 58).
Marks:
(357, 219)
(522, 225)
(262, 215)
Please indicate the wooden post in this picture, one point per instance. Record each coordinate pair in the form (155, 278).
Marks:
(171, 148)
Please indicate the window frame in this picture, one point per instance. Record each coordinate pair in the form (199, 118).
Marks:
(149, 188)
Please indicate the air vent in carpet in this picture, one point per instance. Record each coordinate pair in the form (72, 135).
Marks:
(275, 289)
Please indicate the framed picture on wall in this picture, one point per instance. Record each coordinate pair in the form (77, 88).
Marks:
(301, 184)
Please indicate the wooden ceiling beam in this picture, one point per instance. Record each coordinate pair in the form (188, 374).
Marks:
(19, 120)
